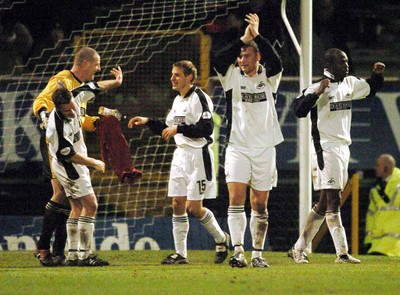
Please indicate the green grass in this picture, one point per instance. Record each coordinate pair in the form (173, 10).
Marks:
(140, 272)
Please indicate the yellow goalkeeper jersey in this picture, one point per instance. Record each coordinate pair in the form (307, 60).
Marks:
(68, 80)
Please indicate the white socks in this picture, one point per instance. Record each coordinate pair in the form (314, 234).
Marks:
(237, 223)
(86, 230)
(180, 229)
(72, 238)
(258, 229)
(212, 226)
(79, 237)
(313, 223)
(338, 233)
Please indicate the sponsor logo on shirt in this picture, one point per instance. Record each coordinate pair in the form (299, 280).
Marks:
(254, 97)
(179, 120)
(340, 106)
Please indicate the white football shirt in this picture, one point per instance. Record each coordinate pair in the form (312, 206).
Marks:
(251, 113)
(332, 120)
(189, 109)
(65, 135)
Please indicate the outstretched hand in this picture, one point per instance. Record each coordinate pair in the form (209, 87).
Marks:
(136, 121)
(117, 73)
(379, 68)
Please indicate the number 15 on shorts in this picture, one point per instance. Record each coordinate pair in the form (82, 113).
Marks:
(202, 186)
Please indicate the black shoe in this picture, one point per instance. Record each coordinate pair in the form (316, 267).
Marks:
(175, 259)
(238, 260)
(92, 260)
(59, 260)
(44, 257)
(71, 262)
(221, 250)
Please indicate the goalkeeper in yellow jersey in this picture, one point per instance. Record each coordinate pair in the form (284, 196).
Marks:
(86, 65)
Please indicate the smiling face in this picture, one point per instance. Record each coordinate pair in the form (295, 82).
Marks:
(180, 82)
(337, 63)
(248, 60)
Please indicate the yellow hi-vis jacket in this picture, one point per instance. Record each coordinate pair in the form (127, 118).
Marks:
(383, 218)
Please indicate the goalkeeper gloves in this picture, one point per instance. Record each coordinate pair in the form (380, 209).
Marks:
(44, 116)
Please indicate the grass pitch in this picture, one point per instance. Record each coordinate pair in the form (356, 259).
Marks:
(140, 272)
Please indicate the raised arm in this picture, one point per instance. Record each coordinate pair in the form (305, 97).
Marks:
(110, 84)
(269, 56)
(376, 80)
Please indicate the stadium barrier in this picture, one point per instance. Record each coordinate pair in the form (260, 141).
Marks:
(21, 233)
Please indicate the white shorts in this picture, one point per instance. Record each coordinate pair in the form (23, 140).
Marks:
(188, 176)
(74, 188)
(334, 174)
(253, 166)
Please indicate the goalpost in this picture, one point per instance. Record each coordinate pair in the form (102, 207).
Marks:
(304, 130)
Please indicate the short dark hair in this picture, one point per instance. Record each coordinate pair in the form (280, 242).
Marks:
(331, 55)
(61, 96)
(188, 68)
(253, 45)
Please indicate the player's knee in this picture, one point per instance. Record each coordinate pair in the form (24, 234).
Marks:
(195, 209)
(93, 207)
(179, 205)
(259, 206)
(320, 209)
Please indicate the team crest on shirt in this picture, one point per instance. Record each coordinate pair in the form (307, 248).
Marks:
(331, 181)
(261, 85)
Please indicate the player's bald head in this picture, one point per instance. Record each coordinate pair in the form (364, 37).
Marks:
(85, 53)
